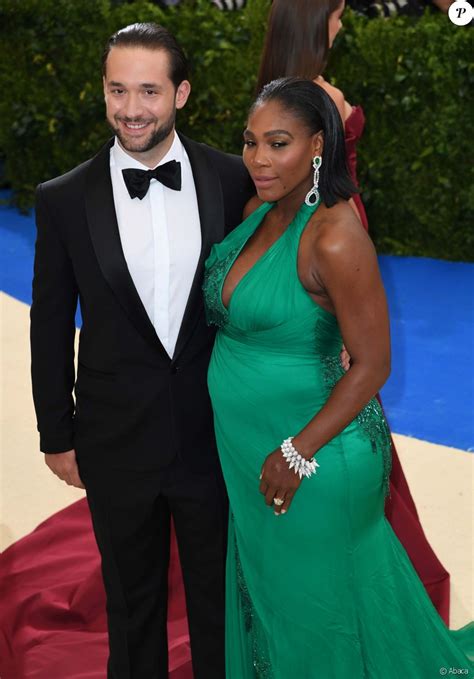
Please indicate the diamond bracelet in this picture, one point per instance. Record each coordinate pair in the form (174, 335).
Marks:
(300, 464)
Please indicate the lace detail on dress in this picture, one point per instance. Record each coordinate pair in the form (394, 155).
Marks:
(245, 600)
(261, 663)
(216, 313)
(370, 419)
(373, 422)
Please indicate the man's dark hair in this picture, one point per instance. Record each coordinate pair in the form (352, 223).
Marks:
(310, 104)
(153, 37)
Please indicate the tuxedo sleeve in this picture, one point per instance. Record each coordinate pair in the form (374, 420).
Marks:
(52, 334)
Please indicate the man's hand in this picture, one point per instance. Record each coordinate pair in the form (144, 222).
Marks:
(345, 359)
(64, 465)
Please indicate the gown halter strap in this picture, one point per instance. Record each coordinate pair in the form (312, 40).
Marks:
(300, 220)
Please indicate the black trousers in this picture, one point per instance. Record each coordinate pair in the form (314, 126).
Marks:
(131, 516)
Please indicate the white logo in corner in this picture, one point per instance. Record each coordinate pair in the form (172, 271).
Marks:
(461, 12)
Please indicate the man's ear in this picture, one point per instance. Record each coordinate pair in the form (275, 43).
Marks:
(182, 93)
(104, 86)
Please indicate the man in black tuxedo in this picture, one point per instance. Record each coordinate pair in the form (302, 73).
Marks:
(130, 243)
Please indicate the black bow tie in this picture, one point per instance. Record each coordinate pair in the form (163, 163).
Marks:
(138, 181)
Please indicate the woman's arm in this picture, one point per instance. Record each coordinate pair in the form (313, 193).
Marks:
(345, 267)
(342, 267)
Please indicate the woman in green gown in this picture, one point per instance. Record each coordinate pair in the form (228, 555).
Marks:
(318, 586)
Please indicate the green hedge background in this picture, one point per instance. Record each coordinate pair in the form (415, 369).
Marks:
(413, 77)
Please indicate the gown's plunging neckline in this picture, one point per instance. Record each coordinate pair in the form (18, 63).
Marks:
(236, 253)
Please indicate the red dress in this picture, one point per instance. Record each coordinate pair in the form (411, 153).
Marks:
(400, 508)
(52, 615)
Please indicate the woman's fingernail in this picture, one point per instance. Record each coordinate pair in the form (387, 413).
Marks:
(277, 513)
(283, 511)
(260, 477)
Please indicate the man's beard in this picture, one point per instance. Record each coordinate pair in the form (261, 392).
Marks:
(144, 145)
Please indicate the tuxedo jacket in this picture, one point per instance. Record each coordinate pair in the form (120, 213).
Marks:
(134, 407)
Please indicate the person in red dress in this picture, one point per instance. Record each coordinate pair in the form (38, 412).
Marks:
(299, 37)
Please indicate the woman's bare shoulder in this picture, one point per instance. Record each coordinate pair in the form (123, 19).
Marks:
(338, 231)
(337, 96)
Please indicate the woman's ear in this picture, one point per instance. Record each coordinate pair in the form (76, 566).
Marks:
(317, 143)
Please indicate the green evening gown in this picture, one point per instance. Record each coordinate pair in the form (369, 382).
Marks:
(326, 591)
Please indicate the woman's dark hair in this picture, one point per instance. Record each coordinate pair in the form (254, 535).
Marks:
(297, 40)
(310, 104)
(153, 37)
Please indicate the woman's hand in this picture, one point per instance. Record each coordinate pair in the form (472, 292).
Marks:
(278, 481)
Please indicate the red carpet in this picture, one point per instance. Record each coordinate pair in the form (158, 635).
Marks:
(52, 616)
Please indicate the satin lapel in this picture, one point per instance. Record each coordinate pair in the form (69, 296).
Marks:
(103, 228)
(211, 216)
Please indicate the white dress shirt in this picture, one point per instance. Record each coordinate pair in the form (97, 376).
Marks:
(161, 240)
